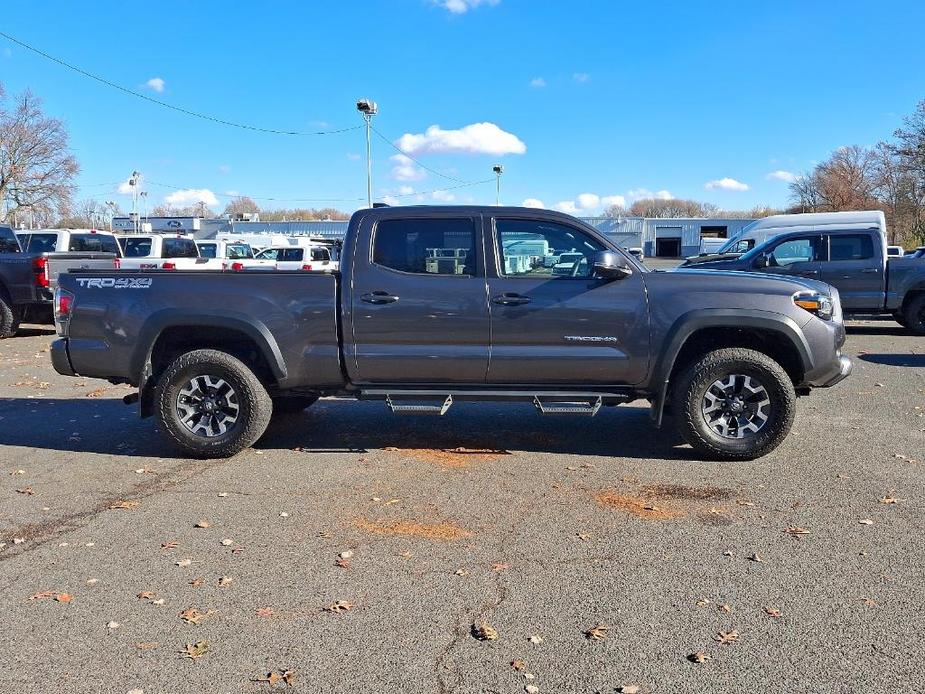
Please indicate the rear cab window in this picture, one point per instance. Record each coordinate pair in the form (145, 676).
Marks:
(95, 243)
(426, 246)
(179, 248)
(136, 247)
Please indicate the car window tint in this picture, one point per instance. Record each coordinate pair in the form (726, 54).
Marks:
(8, 241)
(320, 254)
(207, 250)
(136, 248)
(269, 254)
(179, 248)
(851, 247)
(801, 250)
(426, 246)
(42, 243)
(239, 251)
(93, 243)
(539, 249)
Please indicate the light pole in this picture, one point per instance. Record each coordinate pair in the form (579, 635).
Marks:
(368, 108)
(133, 182)
(144, 196)
(498, 169)
(112, 212)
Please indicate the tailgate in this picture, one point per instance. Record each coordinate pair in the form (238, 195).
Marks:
(64, 262)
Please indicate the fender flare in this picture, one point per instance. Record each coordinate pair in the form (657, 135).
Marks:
(691, 322)
(160, 321)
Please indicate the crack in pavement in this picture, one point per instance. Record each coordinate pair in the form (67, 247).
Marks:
(37, 534)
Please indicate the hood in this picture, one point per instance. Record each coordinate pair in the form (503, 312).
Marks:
(709, 258)
(796, 282)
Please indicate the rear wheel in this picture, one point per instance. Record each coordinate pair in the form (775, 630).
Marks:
(734, 404)
(9, 319)
(914, 315)
(211, 404)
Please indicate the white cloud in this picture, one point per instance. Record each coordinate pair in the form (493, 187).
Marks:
(611, 200)
(645, 194)
(533, 202)
(405, 170)
(477, 138)
(726, 184)
(191, 196)
(463, 6)
(567, 206)
(406, 190)
(581, 77)
(588, 201)
(443, 196)
(353, 156)
(156, 84)
(781, 175)
(538, 82)
(233, 193)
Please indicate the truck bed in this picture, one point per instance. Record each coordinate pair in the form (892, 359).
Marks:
(118, 316)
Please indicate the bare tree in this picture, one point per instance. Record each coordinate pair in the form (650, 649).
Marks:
(666, 209)
(37, 169)
(241, 205)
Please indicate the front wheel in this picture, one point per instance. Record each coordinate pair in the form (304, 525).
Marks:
(734, 404)
(211, 404)
(914, 315)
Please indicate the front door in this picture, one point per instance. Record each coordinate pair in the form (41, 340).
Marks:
(853, 269)
(419, 312)
(796, 255)
(552, 320)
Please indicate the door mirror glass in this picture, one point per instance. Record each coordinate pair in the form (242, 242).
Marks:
(761, 261)
(611, 266)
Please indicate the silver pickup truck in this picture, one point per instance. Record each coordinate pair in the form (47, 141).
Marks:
(427, 311)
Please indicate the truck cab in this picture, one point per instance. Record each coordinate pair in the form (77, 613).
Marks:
(164, 252)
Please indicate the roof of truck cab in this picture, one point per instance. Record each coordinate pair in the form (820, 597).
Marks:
(875, 218)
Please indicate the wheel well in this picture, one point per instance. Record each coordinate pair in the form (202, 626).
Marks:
(910, 295)
(177, 340)
(770, 342)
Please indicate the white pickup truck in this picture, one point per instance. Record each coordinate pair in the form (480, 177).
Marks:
(315, 258)
(163, 252)
(234, 255)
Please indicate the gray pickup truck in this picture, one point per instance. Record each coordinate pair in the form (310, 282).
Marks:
(853, 261)
(436, 305)
(28, 279)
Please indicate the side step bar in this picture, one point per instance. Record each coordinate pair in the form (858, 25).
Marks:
(438, 410)
(575, 407)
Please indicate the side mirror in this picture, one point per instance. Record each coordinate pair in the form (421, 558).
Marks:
(610, 266)
(762, 261)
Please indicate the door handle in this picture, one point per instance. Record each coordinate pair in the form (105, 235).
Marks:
(511, 299)
(379, 297)
(869, 270)
(808, 273)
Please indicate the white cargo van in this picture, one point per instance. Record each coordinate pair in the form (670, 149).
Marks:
(761, 230)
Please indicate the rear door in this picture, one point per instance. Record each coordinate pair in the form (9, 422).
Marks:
(418, 306)
(552, 320)
(290, 258)
(855, 269)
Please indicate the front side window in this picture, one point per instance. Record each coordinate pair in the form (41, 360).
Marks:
(426, 246)
(239, 251)
(269, 254)
(851, 247)
(802, 250)
(180, 248)
(538, 249)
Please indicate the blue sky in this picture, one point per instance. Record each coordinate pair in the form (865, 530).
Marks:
(579, 100)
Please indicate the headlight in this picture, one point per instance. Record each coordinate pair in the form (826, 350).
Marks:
(817, 304)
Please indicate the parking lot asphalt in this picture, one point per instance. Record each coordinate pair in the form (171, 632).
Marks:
(353, 551)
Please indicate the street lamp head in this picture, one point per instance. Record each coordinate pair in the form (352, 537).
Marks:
(367, 107)
(498, 169)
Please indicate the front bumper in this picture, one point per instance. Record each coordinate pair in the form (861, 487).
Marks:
(844, 370)
(60, 359)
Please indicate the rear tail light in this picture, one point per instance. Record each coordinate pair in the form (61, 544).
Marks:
(169, 266)
(306, 267)
(237, 267)
(63, 304)
(40, 271)
(117, 263)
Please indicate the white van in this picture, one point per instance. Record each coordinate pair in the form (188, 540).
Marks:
(761, 230)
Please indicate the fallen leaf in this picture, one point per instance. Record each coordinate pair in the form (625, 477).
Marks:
(159, 601)
(145, 595)
(460, 572)
(203, 524)
(698, 657)
(272, 678)
(597, 633)
(518, 665)
(183, 563)
(195, 650)
(866, 521)
(772, 611)
(532, 689)
(342, 563)
(339, 606)
(724, 608)
(499, 567)
(173, 544)
(755, 557)
(64, 597)
(703, 602)
(265, 612)
(536, 640)
(193, 616)
(237, 550)
(226, 542)
(125, 504)
(629, 689)
(113, 625)
(889, 499)
(222, 495)
(869, 602)
(26, 491)
(727, 637)
(224, 581)
(146, 645)
(283, 514)
(42, 595)
(795, 531)
(198, 582)
(289, 677)
(483, 631)
(346, 554)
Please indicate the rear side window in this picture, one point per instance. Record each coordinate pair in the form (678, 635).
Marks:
(179, 248)
(291, 254)
(426, 246)
(207, 250)
(42, 243)
(136, 248)
(93, 243)
(851, 247)
(269, 254)
(320, 254)
(8, 241)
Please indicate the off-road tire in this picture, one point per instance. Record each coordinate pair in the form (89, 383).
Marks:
(255, 405)
(9, 319)
(691, 385)
(283, 406)
(914, 315)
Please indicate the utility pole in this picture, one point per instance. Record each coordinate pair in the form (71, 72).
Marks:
(498, 169)
(112, 211)
(144, 196)
(133, 182)
(368, 109)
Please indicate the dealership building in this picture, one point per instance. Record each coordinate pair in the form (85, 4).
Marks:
(665, 238)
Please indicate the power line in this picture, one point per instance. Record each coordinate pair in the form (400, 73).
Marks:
(164, 104)
(405, 154)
